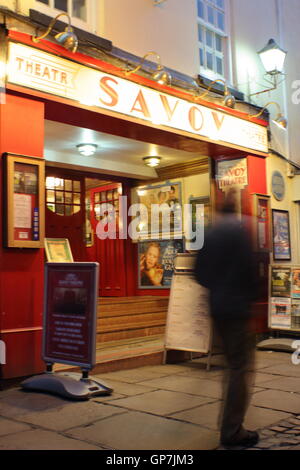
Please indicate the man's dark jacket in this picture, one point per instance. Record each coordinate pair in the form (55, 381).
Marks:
(225, 266)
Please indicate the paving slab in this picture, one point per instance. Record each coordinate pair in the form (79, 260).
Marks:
(169, 369)
(260, 378)
(11, 427)
(42, 440)
(191, 385)
(277, 400)
(132, 375)
(141, 431)
(161, 402)
(286, 370)
(208, 415)
(126, 389)
(216, 360)
(70, 416)
(16, 402)
(197, 370)
(288, 384)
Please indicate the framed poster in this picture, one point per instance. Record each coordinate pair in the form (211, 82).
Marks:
(280, 313)
(296, 283)
(58, 250)
(295, 314)
(156, 262)
(24, 185)
(262, 223)
(205, 217)
(168, 219)
(70, 313)
(280, 281)
(281, 235)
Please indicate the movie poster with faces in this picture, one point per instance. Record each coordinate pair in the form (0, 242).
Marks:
(169, 218)
(156, 262)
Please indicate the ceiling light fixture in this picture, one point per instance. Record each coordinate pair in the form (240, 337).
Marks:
(67, 38)
(160, 75)
(272, 57)
(152, 161)
(228, 100)
(280, 120)
(87, 149)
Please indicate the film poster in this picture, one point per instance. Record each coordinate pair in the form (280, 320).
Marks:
(280, 313)
(281, 281)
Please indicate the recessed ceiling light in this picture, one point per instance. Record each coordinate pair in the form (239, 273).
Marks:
(152, 161)
(87, 149)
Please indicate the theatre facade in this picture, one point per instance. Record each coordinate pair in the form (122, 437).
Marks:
(52, 101)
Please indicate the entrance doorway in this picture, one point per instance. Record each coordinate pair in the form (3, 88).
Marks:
(75, 204)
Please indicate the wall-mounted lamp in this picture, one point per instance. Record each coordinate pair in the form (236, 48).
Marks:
(272, 57)
(87, 149)
(152, 161)
(160, 75)
(229, 99)
(280, 120)
(67, 38)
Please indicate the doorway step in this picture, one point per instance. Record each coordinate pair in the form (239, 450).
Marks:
(130, 333)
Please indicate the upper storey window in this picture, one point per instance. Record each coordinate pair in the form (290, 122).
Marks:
(80, 11)
(212, 37)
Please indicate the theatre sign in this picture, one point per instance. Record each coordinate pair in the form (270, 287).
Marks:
(39, 70)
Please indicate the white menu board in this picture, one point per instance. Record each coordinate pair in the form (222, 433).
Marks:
(188, 325)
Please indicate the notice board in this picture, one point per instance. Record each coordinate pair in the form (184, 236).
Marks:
(188, 326)
(284, 297)
(70, 313)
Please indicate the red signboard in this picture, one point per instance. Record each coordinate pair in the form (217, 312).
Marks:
(70, 313)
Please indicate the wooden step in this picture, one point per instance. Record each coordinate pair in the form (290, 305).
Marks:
(125, 354)
(130, 317)
(130, 334)
(131, 306)
(130, 322)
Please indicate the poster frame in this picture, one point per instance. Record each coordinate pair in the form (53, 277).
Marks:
(276, 257)
(264, 220)
(66, 244)
(156, 241)
(10, 159)
(91, 360)
(160, 234)
(293, 299)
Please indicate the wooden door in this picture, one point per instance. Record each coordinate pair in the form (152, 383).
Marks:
(65, 209)
(109, 252)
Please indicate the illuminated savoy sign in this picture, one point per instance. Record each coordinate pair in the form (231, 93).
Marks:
(42, 71)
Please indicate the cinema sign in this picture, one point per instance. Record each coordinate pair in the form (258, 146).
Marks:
(35, 69)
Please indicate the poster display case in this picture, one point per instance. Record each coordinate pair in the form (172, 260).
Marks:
(160, 210)
(24, 186)
(261, 212)
(284, 297)
(281, 235)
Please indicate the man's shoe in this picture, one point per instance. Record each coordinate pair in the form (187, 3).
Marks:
(243, 439)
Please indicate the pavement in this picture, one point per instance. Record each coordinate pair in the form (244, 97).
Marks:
(162, 407)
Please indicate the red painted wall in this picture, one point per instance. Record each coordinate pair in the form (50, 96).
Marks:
(257, 184)
(21, 276)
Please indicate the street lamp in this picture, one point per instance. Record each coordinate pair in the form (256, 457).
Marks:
(272, 57)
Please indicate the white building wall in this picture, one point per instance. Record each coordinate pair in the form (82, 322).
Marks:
(170, 29)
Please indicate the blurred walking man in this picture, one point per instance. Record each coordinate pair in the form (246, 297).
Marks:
(225, 267)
